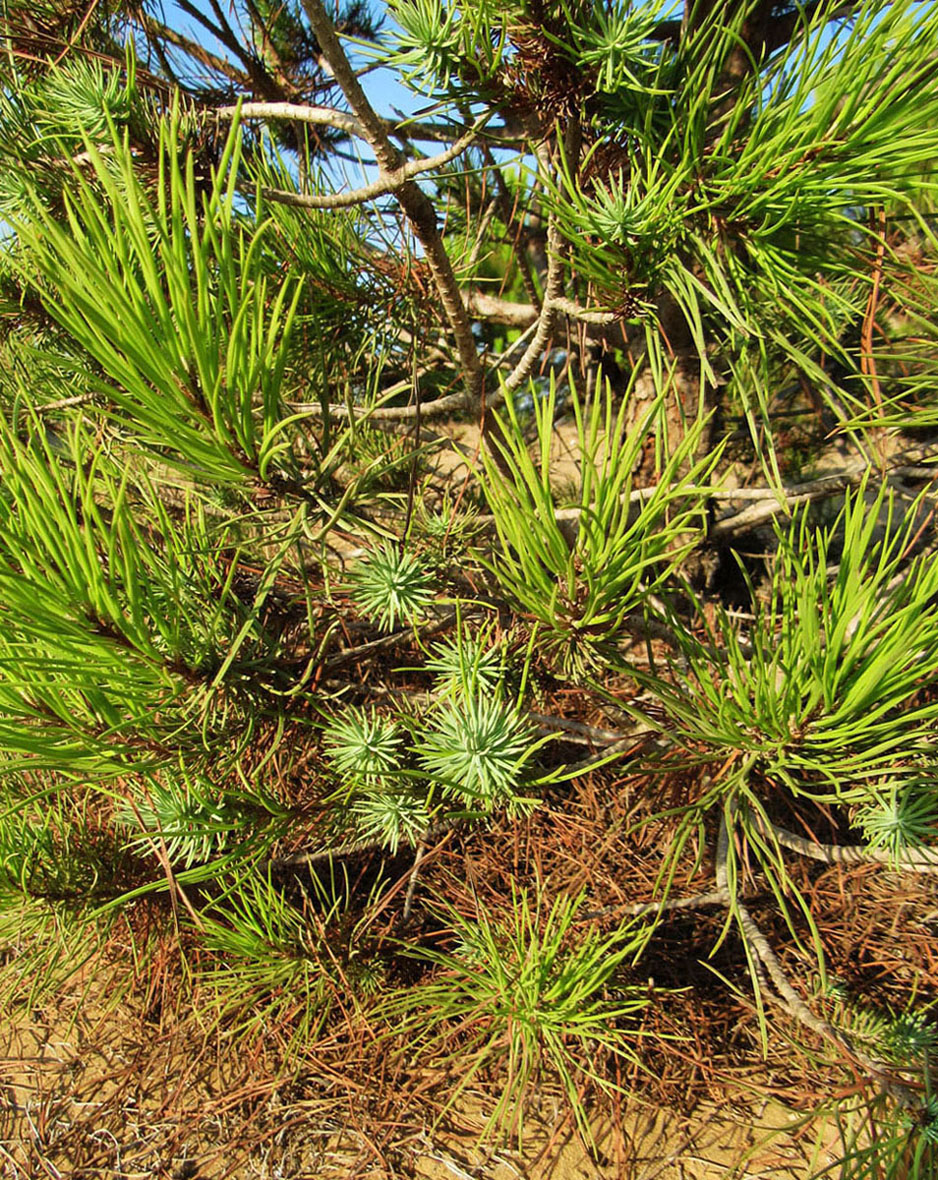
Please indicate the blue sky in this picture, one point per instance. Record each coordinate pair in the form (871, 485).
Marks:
(386, 93)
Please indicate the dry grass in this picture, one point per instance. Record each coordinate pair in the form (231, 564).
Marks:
(148, 1087)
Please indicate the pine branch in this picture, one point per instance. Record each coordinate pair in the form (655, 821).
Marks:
(416, 204)
(914, 860)
(768, 505)
(388, 182)
(329, 117)
(761, 951)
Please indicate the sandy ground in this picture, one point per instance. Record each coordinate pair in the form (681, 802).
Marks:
(83, 1095)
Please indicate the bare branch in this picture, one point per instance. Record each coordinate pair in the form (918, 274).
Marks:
(501, 311)
(553, 287)
(447, 404)
(341, 851)
(913, 860)
(817, 489)
(412, 883)
(584, 315)
(387, 182)
(523, 315)
(295, 112)
(545, 321)
(696, 901)
(413, 200)
(587, 733)
(761, 951)
(523, 369)
(65, 403)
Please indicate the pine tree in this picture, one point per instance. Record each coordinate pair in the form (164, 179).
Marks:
(261, 612)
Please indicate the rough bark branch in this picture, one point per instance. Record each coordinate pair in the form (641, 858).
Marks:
(501, 311)
(294, 112)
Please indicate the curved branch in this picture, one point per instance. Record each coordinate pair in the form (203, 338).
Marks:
(297, 112)
(387, 182)
(914, 860)
(545, 320)
(553, 287)
(761, 951)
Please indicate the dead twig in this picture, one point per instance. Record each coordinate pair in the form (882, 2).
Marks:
(761, 951)
(412, 883)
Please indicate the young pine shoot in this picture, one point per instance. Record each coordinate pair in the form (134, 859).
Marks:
(391, 587)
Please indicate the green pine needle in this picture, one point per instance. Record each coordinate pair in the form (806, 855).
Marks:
(391, 587)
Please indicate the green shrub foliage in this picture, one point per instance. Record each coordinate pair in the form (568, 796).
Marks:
(352, 516)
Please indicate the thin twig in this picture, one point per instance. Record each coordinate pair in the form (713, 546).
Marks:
(553, 290)
(340, 851)
(386, 641)
(696, 901)
(588, 732)
(340, 120)
(625, 745)
(340, 412)
(514, 227)
(761, 952)
(76, 36)
(65, 403)
(412, 883)
(793, 495)
(867, 357)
